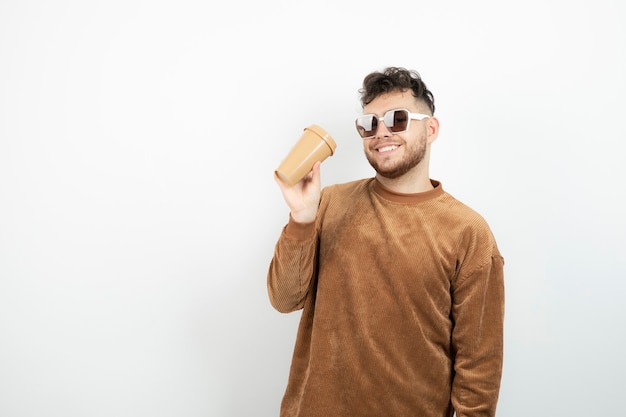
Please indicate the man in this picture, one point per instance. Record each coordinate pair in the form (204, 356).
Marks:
(400, 284)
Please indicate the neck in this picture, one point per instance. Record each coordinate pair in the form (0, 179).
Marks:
(406, 184)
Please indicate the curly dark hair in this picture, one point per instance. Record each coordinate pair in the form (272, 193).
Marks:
(396, 79)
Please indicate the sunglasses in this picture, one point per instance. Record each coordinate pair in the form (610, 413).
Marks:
(396, 120)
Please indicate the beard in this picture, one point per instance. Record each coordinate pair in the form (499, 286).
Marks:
(414, 155)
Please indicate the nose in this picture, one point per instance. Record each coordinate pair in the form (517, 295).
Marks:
(382, 131)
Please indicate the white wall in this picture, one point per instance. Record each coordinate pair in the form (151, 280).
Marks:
(138, 211)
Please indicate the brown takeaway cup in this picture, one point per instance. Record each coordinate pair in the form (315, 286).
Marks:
(314, 145)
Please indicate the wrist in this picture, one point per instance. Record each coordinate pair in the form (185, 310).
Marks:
(303, 216)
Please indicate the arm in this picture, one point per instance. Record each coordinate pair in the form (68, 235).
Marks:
(292, 267)
(477, 338)
(293, 264)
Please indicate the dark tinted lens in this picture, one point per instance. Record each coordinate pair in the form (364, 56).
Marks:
(366, 125)
(400, 121)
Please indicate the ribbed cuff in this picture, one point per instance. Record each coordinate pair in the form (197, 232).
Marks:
(299, 231)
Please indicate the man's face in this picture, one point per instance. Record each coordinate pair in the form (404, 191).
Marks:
(394, 154)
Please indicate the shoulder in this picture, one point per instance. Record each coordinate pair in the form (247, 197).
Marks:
(462, 212)
(473, 229)
(340, 199)
(348, 188)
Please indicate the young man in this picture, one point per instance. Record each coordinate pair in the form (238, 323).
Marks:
(400, 284)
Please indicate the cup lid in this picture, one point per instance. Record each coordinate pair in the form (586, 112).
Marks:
(325, 136)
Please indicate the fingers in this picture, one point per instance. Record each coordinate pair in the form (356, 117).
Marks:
(313, 176)
(316, 169)
(302, 197)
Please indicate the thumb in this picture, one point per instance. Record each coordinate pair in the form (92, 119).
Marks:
(316, 178)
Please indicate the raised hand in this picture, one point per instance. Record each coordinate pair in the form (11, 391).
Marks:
(303, 198)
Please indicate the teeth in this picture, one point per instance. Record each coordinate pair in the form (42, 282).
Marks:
(387, 148)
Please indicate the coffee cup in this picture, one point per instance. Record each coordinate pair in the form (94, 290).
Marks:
(314, 145)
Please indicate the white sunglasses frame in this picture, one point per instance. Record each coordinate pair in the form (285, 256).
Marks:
(388, 117)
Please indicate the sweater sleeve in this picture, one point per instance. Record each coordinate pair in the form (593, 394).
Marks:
(292, 267)
(477, 338)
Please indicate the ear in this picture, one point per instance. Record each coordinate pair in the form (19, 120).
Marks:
(432, 129)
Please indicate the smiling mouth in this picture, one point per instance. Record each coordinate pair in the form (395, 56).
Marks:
(387, 148)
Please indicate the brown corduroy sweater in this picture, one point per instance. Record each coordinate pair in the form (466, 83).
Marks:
(403, 305)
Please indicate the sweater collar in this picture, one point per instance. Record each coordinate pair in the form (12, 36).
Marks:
(395, 197)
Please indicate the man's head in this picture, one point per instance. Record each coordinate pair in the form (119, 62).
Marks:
(397, 124)
(396, 79)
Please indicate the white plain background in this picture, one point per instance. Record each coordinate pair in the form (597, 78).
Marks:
(138, 211)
